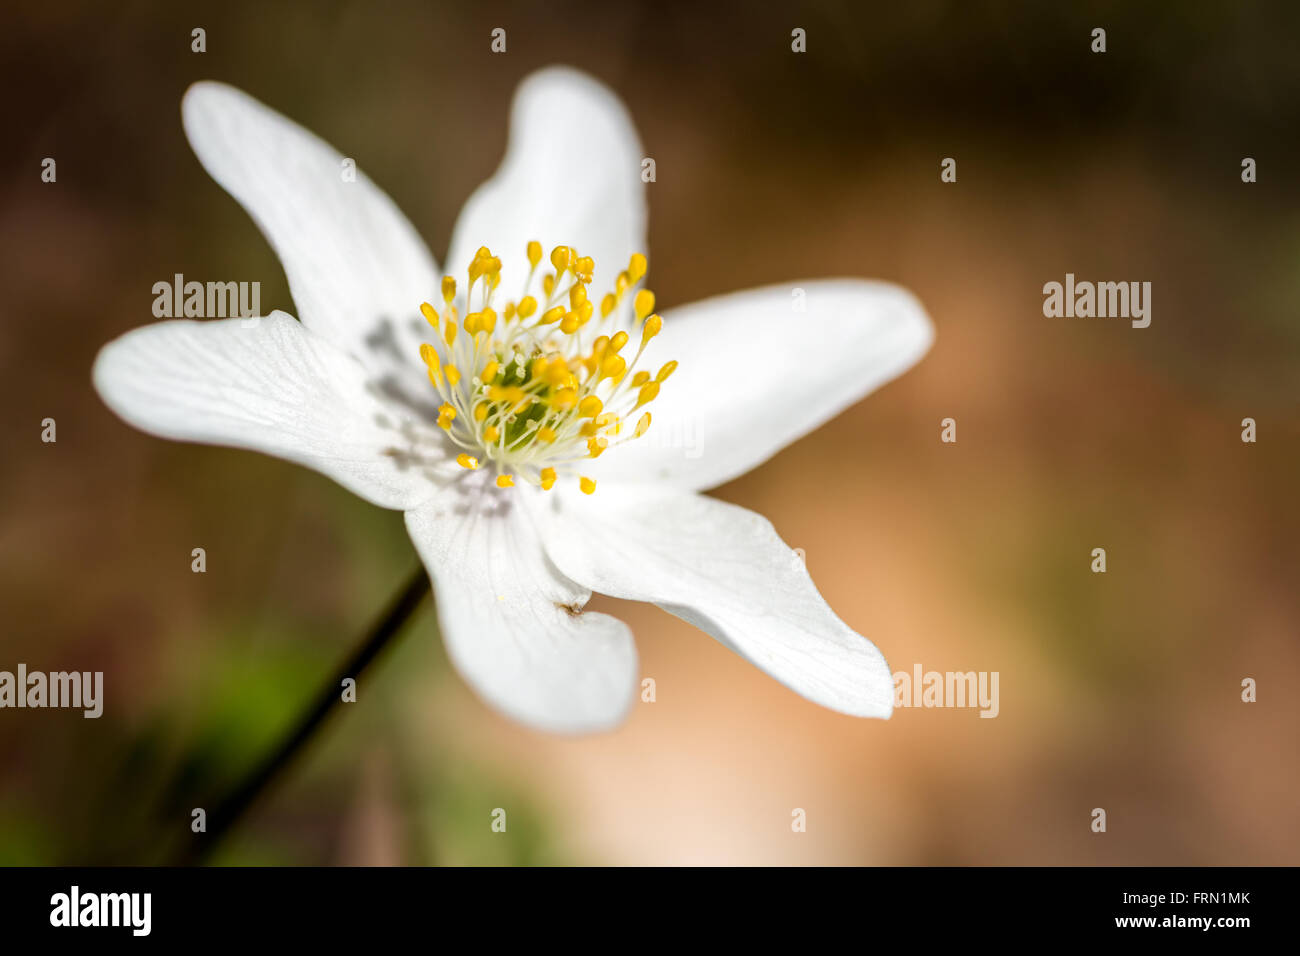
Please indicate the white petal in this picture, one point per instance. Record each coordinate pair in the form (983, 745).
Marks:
(273, 387)
(571, 176)
(725, 570)
(513, 626)
(357, 269)
(754, 375)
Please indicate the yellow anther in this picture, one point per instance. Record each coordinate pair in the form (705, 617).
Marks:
(527, 306)
(587, 485)
(467, 461)
(642, 425)
(430, 314)
(552, 315)
(534, 253)
(577, 295)
(446, 415)
(590, 407)
(480, 412)
(668, 369)
(595, 446)
(585, 312)
(548, 284)
(557, 373)
(651, 328)
(509, 312)
(473, 323)
(640, 378)
(644, 303)
(647, 394)
(607, 304)
(546, 434)
(505, 481)
(636, 268)
(618, 341)
(564, 399)
(483, 253)
(449, 334)
(487, 321)
(548, 478)
(621, 283)
(570, 323)
(560, 259)
(585, 268)
(430, 356)
(588, 429)
(490, 372)
(613, 366)
(491, 434)
(448, 289)
(453, 375)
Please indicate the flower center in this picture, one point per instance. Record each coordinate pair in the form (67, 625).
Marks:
(536, 389)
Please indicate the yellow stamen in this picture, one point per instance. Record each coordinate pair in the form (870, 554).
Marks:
(528, 388)
(644, 303)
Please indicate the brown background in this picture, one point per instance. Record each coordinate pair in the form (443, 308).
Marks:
(1119, 691)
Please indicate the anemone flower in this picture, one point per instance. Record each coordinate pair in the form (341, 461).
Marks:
(546, 432)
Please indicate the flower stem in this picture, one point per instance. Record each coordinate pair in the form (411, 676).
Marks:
(261, 778)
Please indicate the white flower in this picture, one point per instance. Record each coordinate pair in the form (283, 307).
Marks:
(490, 443)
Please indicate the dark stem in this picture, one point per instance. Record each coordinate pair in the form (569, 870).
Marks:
(260, 779)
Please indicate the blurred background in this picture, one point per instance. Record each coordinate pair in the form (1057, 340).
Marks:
(1120, 691)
